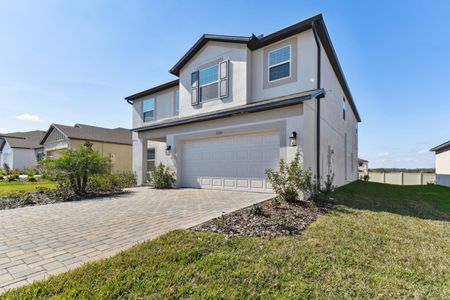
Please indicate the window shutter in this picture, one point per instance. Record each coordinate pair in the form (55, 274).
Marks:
(223, 80)
(194, 88)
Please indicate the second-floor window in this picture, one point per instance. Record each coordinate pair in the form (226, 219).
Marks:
(343, 108)
(177, 102)
(149, 110)
(280, 63)
(209, 83)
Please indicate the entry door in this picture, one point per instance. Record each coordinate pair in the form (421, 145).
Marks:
(234, 162)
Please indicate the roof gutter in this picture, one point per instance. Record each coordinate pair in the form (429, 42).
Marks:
(318, 97)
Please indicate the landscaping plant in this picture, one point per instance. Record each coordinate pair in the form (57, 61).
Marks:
(161, 177)
(291, 180)
(76, 166)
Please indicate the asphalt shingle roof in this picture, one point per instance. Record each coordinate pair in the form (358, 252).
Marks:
(92, 133)
(26, 140)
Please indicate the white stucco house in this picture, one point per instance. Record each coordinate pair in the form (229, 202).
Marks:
(21, 150)
(442, 163)
(239, 104)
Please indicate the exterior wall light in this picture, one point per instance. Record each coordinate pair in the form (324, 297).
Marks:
(293, 139)
(168, 147)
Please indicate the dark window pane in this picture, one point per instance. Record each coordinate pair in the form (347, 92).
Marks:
(149, 116)
(279, 72)
(209, 92)
(150, 154)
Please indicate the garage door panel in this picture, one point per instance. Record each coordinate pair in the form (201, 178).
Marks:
(233, 162)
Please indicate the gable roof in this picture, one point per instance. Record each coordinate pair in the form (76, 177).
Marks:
(441, 146)
(92, 133)
(201, 42)
(152, 90)
(23, 140)
(255, 42)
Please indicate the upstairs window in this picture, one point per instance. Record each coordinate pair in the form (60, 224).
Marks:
(177, 102)
(209, 83)
(280, 63)
(343, 108)
(149, 110)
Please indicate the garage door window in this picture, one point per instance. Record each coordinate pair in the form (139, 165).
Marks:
(151, 159)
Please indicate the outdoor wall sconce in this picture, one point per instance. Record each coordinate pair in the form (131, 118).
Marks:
(168, 149)
(293, 139)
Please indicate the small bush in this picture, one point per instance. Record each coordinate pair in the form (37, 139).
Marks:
(13, 177)
(290, 180)
(328, 184)
(161, 177)
(366, 177)
(256, 210)
(111, 182)
(31, 178)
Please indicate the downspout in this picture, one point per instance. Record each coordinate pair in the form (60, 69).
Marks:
(316, 38)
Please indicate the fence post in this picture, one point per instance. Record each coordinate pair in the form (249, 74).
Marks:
(384, 177)
(421, 178)
(401, 176)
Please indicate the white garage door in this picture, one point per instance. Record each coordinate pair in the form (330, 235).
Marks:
(232, 162)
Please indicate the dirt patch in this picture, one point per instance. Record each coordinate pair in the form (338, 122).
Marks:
(46, 196)
(267, 219)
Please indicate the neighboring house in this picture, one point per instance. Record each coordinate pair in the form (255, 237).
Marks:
(240, 104)
(363, 167)
(442, 163)
(21, 150)
(115, 143)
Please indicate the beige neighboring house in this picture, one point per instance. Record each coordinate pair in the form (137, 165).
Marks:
(363, 167)
(115, 143)
(21, 150)
(442, 163)
(239, 104)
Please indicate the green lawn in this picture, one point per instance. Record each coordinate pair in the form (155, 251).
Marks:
(18, 187)
(382, 242)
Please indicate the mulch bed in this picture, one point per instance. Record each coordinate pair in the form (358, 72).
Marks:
(46, 196)
(272, 220)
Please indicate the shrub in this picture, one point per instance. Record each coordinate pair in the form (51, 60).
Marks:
(328, 184)
(366, 177)
(161, 177)
(111, 182)
(31, 178)
(290, 180)
(76, 166)
(256, 210)
(13, 177)
(6, 168)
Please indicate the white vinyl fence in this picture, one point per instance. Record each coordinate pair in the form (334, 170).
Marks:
(402, 178)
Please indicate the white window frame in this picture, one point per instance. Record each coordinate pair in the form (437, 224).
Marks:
(176, 109)
(154, 110)
(217, 81)
(147, 160)
(281, 63)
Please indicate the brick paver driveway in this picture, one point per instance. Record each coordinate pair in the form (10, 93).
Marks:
(39, 241)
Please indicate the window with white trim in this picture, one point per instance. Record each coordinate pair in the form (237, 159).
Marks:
(177, 102)
(343, 108)
(148, 111)
(279, 63)
(209, 83)
(151, 159)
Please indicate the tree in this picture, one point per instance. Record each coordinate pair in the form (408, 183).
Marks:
(76, 166)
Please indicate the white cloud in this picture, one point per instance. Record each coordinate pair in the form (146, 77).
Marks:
(383, 154)
(423, 151)
(28, 117)
(2, 130)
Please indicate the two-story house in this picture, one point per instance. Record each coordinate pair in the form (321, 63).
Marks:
(240, 104)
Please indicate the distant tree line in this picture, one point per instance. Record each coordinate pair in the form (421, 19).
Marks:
(404, 170)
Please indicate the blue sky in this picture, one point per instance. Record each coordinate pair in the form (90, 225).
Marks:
(74, 61)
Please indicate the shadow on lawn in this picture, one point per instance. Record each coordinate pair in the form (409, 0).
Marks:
(430, 202)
